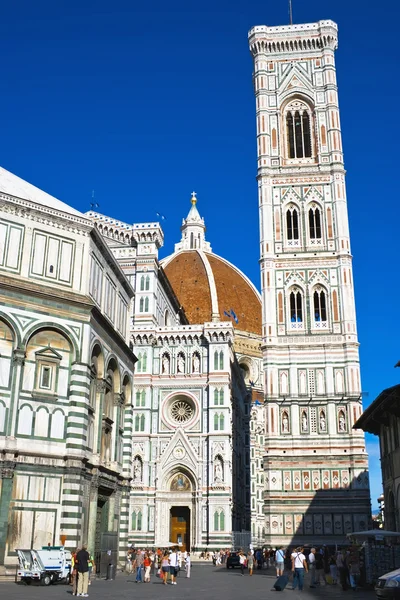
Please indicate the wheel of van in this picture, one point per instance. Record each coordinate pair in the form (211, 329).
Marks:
(46, 579)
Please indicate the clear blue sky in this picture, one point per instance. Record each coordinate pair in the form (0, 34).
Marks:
(144, 102)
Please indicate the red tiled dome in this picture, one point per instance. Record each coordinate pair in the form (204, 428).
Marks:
(207, 285)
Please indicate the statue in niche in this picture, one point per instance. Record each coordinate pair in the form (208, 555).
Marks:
(304, 422)
(196, 364)
(180, 364)
(322, 421)
(285, 423)
(342, 422)
(165, 363)
(137, 470)
(218, 473)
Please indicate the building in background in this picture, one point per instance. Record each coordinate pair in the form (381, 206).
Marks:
(66, 378)
(315, 462)
(382, 418)
(197, 437)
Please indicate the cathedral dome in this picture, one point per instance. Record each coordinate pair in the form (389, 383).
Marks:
(209, 287)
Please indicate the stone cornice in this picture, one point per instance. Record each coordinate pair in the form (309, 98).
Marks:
(35, 212)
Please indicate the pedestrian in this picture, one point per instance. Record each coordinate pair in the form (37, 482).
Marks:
(188, 564)
(242, 561)
(299, 566)
(342, 568)
(74, 572)
(147, 567)
(333, 569)
(319, 568)
(311, 567)
(92, 568)
(165, 567)
(138, 564)
(82, 559)
(173, 566)
(353, 565)
(250, 563)
(279, 561)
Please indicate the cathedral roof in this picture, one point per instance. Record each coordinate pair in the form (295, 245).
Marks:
(209, 287)
(12, 185)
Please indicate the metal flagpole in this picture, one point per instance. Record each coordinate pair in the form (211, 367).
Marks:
(290, 12)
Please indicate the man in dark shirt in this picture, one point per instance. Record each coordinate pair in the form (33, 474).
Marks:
(82, 560)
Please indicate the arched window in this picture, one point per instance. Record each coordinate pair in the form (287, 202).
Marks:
(140, 398)
(216, 360)
(146, 304)
(216, 396)
(221, 361)
(222, 521)
(137, 423)
(141, 365)
(221, 396)
(320, 315)
(221, 422)
(216, 521)
(292, 224)
(314, 222)
(142, 283)
(298, 130)
(296, 307)
(134, 521)
(142, 423)
(141, 305)
(147, 283)
(216, 422)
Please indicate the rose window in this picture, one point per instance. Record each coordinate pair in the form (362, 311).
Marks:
(181, 411)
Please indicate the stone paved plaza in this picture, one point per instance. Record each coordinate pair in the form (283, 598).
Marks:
(206, 583)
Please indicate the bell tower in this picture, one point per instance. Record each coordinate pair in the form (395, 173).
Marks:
(315, 463)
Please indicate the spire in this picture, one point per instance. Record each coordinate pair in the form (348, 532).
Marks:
(193, 230)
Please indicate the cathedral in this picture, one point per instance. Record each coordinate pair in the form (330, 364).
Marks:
(150, 400)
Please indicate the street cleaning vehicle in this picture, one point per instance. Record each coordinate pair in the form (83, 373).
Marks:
(51, 564)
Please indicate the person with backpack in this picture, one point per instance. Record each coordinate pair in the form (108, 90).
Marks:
(299, 566)
(279, 561)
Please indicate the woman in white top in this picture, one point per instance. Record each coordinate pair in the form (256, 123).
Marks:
(299, 566)
(187, 564)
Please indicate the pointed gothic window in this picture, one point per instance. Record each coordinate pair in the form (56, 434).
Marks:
(292, 223)
(221, 361)
(314, 221)
(319, 306)
(216, 360)
(216, 521)
(216, 421)
(296, 307)
(222, 521)
(216, 397)
(221, 396)
(142, 283)
(221, 422)
(298, 130)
